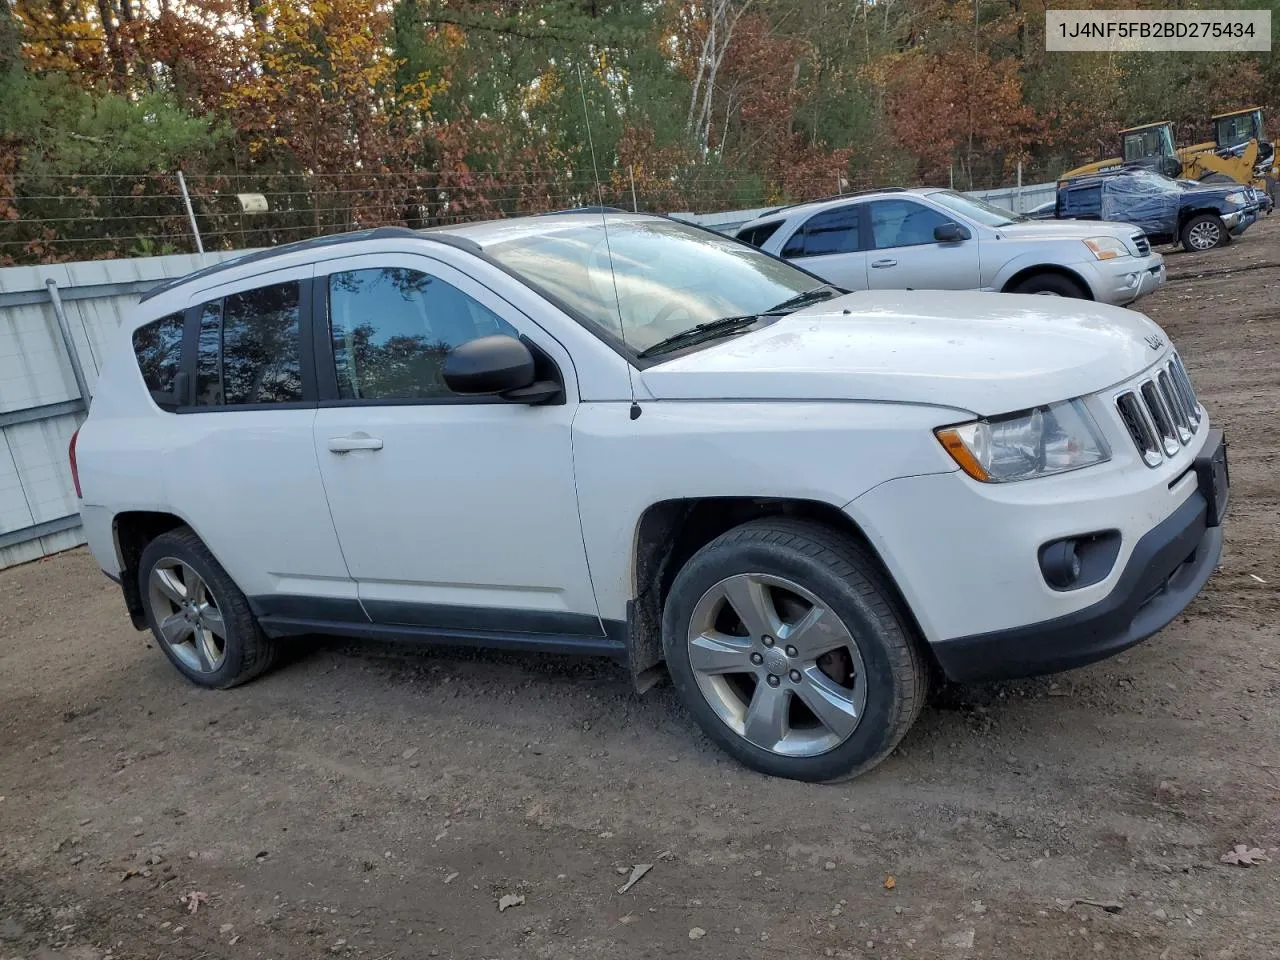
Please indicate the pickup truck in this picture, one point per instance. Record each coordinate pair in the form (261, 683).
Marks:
(1197, 215)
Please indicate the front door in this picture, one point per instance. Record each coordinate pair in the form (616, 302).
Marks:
(905, 256)
(456, 514)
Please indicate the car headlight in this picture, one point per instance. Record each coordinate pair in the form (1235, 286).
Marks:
(1107, 248)
(1033, 443)
(1240, 198)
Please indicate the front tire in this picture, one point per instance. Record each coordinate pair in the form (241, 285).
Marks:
(198, 615)
(1203, 232)
(788, 646)
(1051, 285)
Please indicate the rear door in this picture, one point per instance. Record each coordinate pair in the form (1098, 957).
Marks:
(242, 467)
(904, 255)
(829, 244)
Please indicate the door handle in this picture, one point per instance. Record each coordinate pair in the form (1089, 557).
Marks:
(357, 441)
(880, 264)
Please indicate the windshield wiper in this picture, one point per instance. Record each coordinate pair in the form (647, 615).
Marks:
(702, 332)
(816, 295)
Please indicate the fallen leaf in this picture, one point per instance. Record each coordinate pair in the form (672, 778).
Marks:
(131, 872)
(1242, 855)
(193, 900)
(638, 871)
(890, 881)
(451, 877)
(1258, 578)
(1111, 906)
(697, 933)
(510, 900)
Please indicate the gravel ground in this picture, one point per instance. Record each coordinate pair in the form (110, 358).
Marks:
(375, 802)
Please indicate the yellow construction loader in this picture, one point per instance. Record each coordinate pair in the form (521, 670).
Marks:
(1240, 152)
(1239, 148)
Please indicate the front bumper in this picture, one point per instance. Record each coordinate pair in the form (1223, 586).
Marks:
(1166, 570)
(965, 556)
(1124, 279)
(1237, 223)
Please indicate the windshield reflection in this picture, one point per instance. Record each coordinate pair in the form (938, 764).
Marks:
(666, 277)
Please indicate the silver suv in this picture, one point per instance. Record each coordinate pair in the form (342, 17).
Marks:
(932, 239)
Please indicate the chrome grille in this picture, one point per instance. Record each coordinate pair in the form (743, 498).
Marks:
(1161, 412)
(1142, 243)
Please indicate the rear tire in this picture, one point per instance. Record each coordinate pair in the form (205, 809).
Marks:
(1203, 232)
(1051, 285)
(820, 626)
(199, 617)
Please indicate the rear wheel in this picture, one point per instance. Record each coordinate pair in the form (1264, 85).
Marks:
(1203, 232)
(1050, 285)
(791, 651)
(198, 615)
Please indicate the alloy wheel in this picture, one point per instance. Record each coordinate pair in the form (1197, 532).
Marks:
(777, 665)
(1205, 235)
(187, 615)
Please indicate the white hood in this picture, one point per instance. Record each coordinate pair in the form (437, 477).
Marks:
(986, 353)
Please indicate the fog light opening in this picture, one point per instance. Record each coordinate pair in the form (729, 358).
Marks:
(1080, 561)
(1060, 564)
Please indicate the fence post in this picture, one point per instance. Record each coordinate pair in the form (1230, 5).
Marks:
(191, 214)
(1018, 207)
(65, 329)
(631, 172)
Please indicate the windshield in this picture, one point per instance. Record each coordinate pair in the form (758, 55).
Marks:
(1148, 142)
(985, 213)
(1243, 127)
(668, 276)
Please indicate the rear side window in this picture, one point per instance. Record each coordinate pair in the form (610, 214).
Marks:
(758, 235)
(1081, 200)
(250, 349)
(158, 347)
(832, 231)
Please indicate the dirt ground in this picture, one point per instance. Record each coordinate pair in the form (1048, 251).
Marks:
(374, 802)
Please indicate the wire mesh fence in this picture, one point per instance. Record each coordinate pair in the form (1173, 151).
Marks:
(79, 217)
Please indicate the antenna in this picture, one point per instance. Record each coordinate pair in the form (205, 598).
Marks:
(604, 225)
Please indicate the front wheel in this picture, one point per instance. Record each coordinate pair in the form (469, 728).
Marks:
(1050, 285)
(1203, 232)
(792, 652)
(198, 615)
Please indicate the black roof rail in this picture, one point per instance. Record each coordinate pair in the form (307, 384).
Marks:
(268, 253)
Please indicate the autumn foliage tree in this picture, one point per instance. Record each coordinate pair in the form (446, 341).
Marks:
(349, 113)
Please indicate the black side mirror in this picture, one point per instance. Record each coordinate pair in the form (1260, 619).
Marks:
(950, 233)
(497, 365)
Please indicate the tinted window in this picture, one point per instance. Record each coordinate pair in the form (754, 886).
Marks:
(392, 329)
(1081, 200)
(758, 235)
(903, 223)
(249, 348)
(209, 357)
(832, 231)
(158, 346)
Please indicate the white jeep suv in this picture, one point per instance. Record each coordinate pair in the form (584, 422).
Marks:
(930, 239)
(618, 434)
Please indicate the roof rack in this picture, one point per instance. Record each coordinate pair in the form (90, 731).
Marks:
(268, 253)
(552, 213)
(834, 196)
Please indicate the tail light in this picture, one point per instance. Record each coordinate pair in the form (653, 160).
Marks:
(75, 470)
